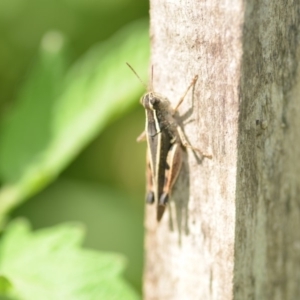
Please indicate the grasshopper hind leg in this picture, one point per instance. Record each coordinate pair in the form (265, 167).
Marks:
(174, 161)
(150, 196)
(186, 144)
(164, 199)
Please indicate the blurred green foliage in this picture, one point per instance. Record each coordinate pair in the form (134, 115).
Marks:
(59, 269)
(69, 108)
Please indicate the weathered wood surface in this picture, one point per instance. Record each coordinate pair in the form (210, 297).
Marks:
(232, 229)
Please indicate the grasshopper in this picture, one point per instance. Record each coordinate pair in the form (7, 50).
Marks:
(165, 140)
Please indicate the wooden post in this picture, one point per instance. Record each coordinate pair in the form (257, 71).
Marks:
(232, 228)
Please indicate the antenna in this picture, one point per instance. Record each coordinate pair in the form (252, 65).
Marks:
(152, 72)
(139, 78)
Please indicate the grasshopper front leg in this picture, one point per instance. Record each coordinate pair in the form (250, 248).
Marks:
(142, 137)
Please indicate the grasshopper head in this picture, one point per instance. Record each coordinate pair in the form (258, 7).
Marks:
(151, 101)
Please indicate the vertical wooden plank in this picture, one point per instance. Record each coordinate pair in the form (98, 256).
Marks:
(232, 229)
(190, 254)
(267, 243)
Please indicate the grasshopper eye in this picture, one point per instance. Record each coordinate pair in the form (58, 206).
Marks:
(154, 101)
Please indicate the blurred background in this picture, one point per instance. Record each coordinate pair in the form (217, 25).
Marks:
(70, 117)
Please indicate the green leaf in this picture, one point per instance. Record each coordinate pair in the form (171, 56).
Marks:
(59, 112)
(5, 285)
(49, 264)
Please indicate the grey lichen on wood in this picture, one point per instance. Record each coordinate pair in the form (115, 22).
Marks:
(232, 227)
